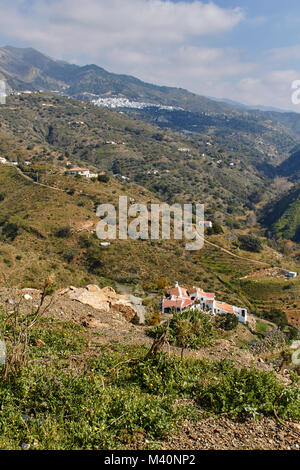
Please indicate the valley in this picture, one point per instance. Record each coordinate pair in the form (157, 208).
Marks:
(96, 375)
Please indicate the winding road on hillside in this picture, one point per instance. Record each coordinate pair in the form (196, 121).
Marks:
(36, 182)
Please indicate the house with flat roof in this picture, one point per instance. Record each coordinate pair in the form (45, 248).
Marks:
(82, 172)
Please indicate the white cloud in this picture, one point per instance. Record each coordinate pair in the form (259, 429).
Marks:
(151, 39)
(285, 53)
(269, 89)
(92, 25)
(158, 41)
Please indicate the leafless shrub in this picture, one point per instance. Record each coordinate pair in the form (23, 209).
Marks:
(16, 326)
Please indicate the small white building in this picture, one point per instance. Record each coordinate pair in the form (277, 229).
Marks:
(80, 171)
(206, 223)
(240, 313)
(198, 294)
(3, 160)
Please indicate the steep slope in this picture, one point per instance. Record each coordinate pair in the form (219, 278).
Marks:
(44, 230)
(291, 166)
(32, 70)
(283, 216)
(29, 69)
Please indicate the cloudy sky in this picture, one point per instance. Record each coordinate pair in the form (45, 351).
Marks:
(244, 50)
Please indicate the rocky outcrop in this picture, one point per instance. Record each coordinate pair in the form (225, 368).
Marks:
(106, 300)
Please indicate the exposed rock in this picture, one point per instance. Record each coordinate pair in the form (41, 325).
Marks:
(106, 300)
(138, 307)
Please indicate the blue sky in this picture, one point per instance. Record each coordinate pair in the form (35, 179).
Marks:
(244, 50)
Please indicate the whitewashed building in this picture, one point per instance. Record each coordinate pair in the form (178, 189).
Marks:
(179, 298)
(80, 171)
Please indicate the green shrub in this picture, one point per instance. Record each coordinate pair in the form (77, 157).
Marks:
(251, 392)
(64, 232)
(103, 178)
(215, 229)
(250, 243)
(10, 231)
(226, 321)
(189, 329)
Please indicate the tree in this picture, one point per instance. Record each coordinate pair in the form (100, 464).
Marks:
(103, 178)
(162, 283)
(250, 243)
(215, 229)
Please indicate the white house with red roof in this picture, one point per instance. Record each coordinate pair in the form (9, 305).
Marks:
(177, 298)
(198, 294)
(181, 299)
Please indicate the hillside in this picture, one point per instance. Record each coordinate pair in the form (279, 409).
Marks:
(89, 382)
(95, 387)
(50, 131)
(175, 166)
(87, 376)
(28, 69)
(283, 216)
(54, 225)
(291, 166)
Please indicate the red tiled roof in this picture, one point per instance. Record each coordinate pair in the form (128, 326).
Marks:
(225, 307)
(194, 290)
(197, 290)
(177, 303)
(178, 292)
(210, 295)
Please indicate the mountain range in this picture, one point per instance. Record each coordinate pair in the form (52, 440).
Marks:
(266, 141)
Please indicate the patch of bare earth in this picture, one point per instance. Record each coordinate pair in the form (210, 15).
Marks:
(228, 434)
